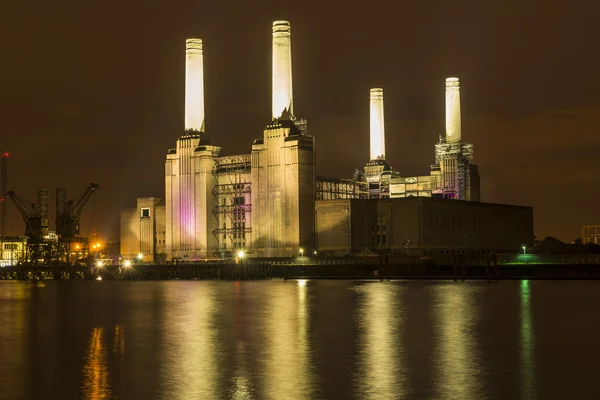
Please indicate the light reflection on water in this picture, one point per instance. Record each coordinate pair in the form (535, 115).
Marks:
(527, 334)
(189, 369)
(380, 372)
(95, 371)
(459, 368)
(13, 314)
(296, 340)
(288, 374)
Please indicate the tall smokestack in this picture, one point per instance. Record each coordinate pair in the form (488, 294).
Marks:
(452, 110)
(194, 85)
(377, 126)
(282, 69)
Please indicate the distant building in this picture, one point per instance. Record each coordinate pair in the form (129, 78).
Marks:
(12, 250)
(143, 229)
(590, 234)
(421, 226)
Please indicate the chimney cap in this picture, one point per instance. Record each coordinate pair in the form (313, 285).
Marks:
(193, 44)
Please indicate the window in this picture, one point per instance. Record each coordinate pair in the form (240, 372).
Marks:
(145, 213)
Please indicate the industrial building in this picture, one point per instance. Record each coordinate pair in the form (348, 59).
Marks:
(590, 234)
(143, 230)
(420, 226)
(269, 202)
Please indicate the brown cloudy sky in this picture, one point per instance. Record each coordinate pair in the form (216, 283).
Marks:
(92, 91)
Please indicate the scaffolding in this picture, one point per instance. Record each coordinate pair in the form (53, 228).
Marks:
(455, 161)
(334, 188)
(233, 194)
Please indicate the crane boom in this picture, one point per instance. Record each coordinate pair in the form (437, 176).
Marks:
(83, 200)
(35, 215)
(25, 207)
(68, 213)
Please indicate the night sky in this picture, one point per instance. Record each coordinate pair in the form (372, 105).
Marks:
(92, 91)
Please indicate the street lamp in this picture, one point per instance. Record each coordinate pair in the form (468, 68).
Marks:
(99, 264)
(140, 256)
(524, 249)
(127, 264)
(301, 252)
(241, 254)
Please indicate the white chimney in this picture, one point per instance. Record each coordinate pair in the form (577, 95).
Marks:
(282, 69)
(377, 125)
(452, 110)
(194, 85)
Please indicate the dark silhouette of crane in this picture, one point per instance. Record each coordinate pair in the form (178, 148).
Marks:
(68, 215)
(68, 212)
(35, 215)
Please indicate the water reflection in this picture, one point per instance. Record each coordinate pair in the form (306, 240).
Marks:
(190, 368)
(119, 340)
(288, 373)
(240, 383)
(380, 342)
(460, 369)
(95, 371)
(527, 344)
(13, 301)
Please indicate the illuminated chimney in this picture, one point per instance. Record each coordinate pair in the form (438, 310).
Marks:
(194, 85)
(377, 126)
(282, 69)
(452, 110)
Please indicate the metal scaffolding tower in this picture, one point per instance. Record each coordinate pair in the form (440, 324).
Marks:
(233, 194)
(334, 188)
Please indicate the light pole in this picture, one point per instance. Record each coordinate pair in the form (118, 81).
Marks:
(301, 252)
(524, 249)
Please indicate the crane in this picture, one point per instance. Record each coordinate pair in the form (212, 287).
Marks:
(68, 212)
(35, 215)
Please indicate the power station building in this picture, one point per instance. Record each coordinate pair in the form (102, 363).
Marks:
(270, 202)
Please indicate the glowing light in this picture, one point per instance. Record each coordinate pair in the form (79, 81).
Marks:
(453, 125)
(377, 125)
(241, 254)
(301, 251)
(282, 69)
(98, 264)
(99, 278)
(140, 256)
(127, 264)
(315, 252)
(194, 85)
(302, 282)
(524, 249)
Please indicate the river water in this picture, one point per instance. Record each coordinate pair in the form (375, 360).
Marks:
(299, 340)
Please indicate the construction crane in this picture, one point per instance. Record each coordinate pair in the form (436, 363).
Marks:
(68, 212)
(35, 215)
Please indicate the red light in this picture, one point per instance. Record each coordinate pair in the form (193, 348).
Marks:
(5, 154)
